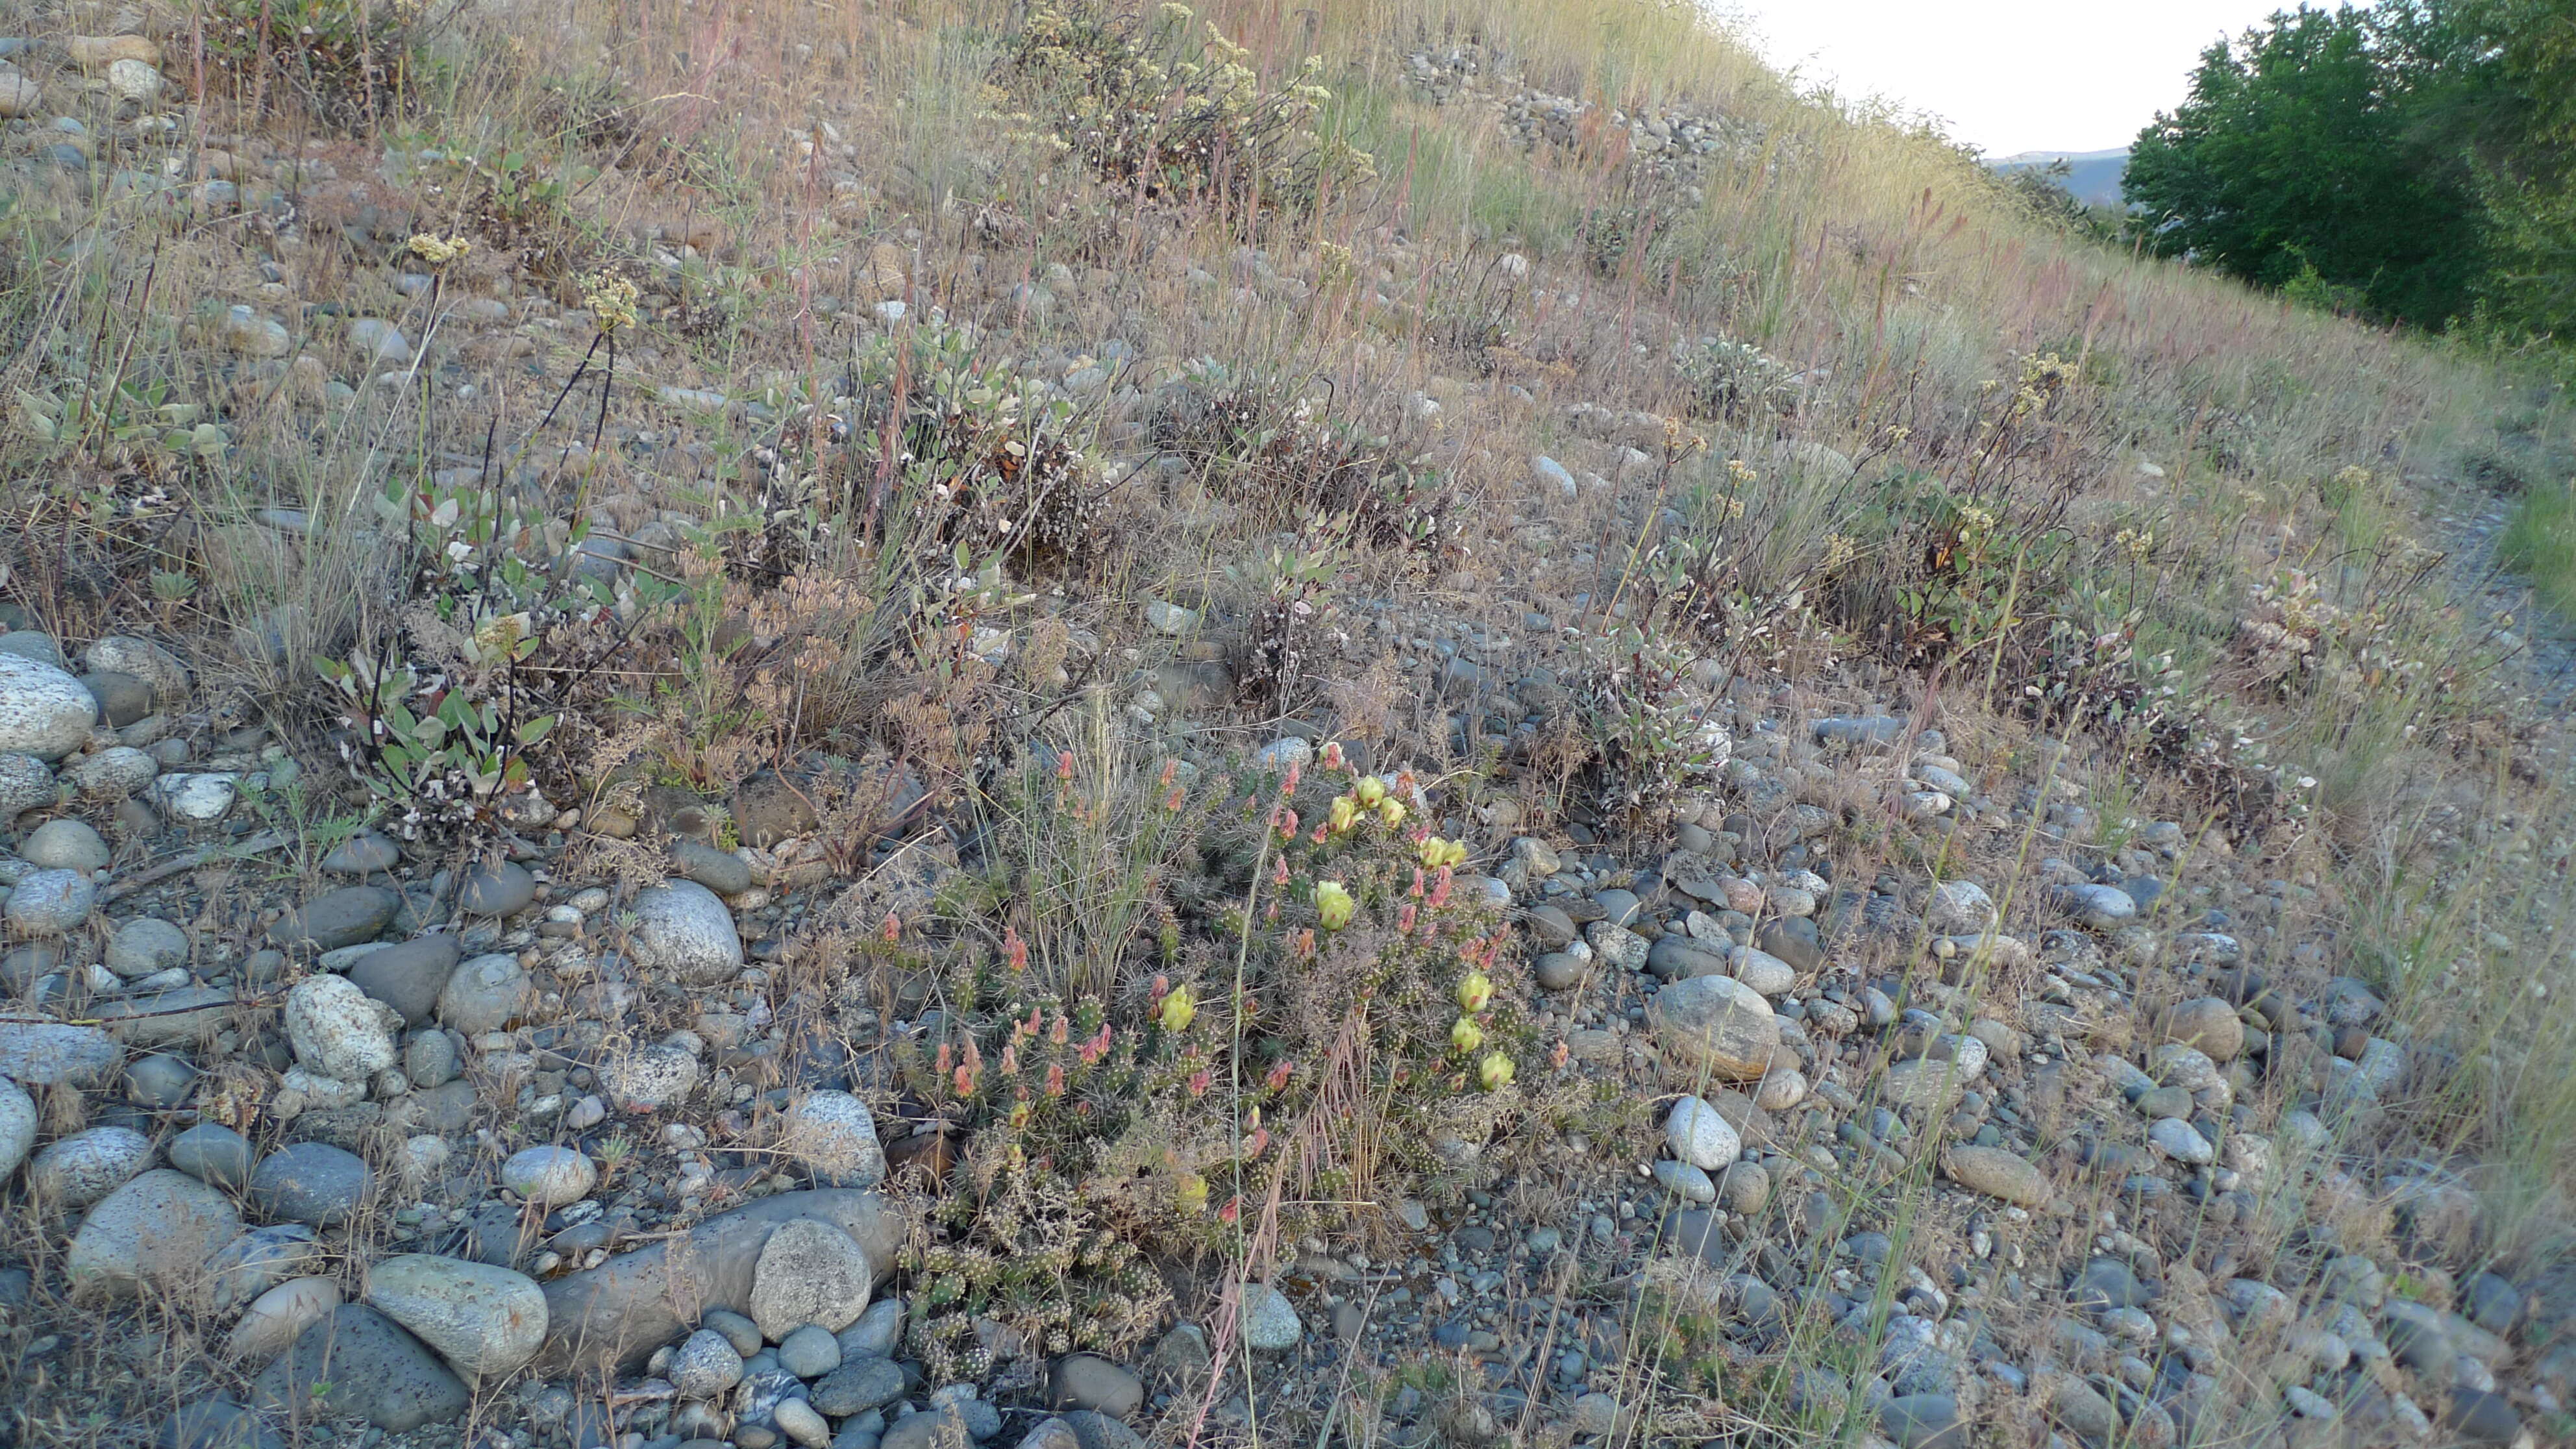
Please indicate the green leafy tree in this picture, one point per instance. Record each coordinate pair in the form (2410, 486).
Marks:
(2526, 145)
(2312, 150)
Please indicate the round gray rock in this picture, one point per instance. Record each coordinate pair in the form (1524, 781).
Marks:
(549, 1176)
(483, 1320)
(858, 1385)
(409, 976)
(144, 945)
(2098, 906)
(1088, 1381)
(159, 1230)
(338, 918)
(44, 711)
(159, 1080)
(310, 1182)
(51, 903)
(212, 1153)
(1716, 1022)
(496, 890)
(361, 1364)
(485, 994)
(682, 929)
(364, 853)
(66, 845)
(809, 1352)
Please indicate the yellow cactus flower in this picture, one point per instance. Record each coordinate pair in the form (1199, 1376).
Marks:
(1333, 905)
(1371, 790)
(1343, 815)
(1435, 852)
(1475, 989)
(1390, 812)
(1465, 1036)
(1194, 1193)
(1179, 1010)
(1495, 1072)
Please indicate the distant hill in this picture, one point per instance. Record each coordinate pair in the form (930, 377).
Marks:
(2093, 176)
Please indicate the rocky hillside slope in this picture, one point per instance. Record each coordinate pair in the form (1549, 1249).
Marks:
(959, 724)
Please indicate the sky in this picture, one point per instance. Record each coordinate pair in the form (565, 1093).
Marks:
(2006, 75)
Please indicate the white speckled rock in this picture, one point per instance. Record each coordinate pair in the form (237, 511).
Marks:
(338, 1030)
(201, 798)
(651, 1078)
(809, 1272)
(113, 773)
(17, 1126)
(836, 1137)
(134, 81)
(86, 1166)
(44, 711)
(1270, 1323)
(50, 903)
(1699, 1136)
(684, 930)
(25, 783)
(483, 1320)
(549, 1176)
(705, 1366)
(1959, 908)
